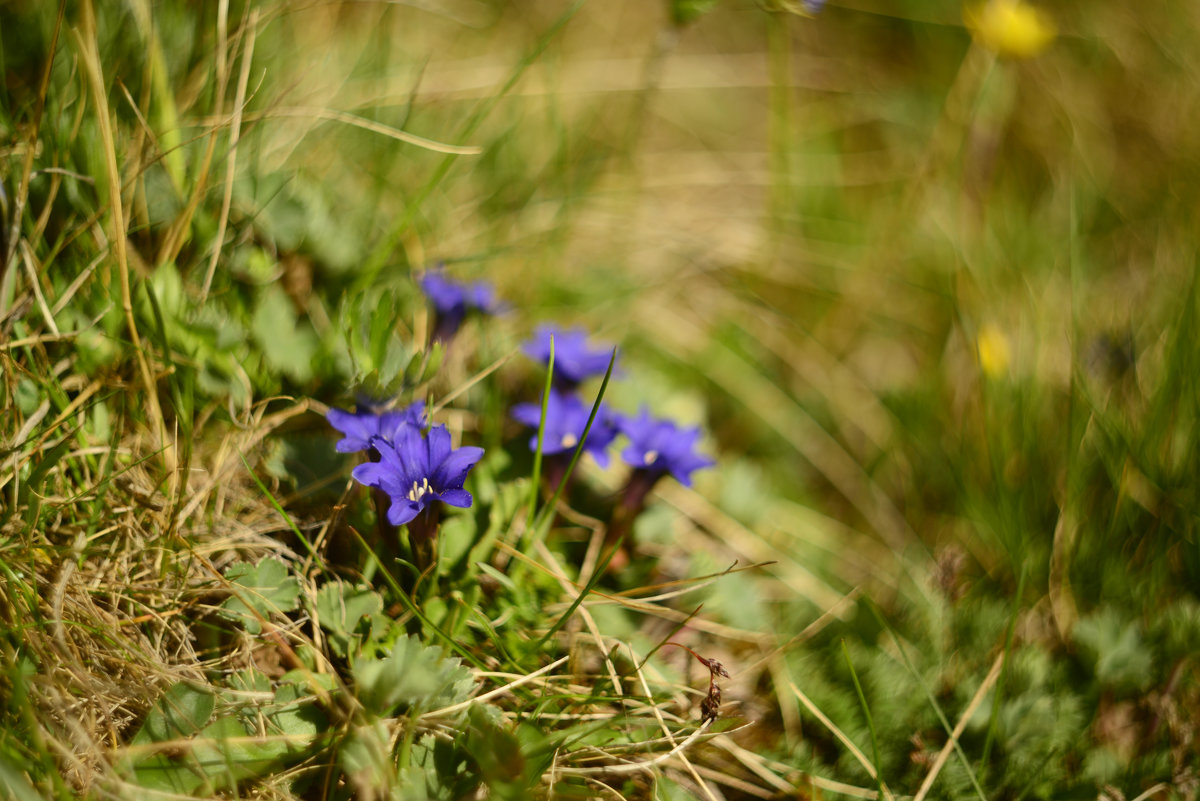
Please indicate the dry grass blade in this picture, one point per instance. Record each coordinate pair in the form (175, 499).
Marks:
(754, 763)
(1152, 791)
(85, 39)
(333, 115)
(490, 694)
(838, 733)
(828, 616)
(235, 133)
(679, 748)
(743, 541)
(741, 785)
(637, 605)
(555, 569)
(227, 460)
(939, 762)
(1062, 600)
(644, 765)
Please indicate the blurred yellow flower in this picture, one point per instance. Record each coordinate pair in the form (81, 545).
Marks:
(1010, 28)
(995, 354)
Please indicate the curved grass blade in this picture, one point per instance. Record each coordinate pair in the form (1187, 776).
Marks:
(548, 510)
(932, 701)
(862, 699)
(536, 477)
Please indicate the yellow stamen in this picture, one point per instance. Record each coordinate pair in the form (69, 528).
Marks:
(418, 490)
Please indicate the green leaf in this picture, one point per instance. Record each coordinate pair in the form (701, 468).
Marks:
(341, 608)
(168, 774)
(381, 361)
(437, 352)
(287, 346)
(443, 767)
(167, 286)
(242, 743)
(1118, 653)
(27, 396)
(180, 712)
(684, 12)
(296, 718)
(227, 753)
(456, 536)
(412, 676)
(497, 752)
(259, 591)
(365, 758)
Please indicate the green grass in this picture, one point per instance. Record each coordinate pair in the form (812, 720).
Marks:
(935, 310)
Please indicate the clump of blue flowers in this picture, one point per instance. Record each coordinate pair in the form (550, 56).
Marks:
(453, 300)
(414, 470)
(656, 447)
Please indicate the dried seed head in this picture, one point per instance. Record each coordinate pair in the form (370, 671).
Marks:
(711, 705)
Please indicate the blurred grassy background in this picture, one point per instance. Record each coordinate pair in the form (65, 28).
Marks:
(937, 310)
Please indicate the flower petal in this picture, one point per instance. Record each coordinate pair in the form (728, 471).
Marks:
(403, 510)
(456, 497)
(573, 360)
(412, 455)
(529, 414)
(369, 474)
(439, 447)
(444, 294)
(451, 472)
(357, 428)
(390, 423)
(634, 456)
(382, 475)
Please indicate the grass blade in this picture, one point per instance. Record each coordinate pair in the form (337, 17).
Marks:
(862, 699)
(536, 476)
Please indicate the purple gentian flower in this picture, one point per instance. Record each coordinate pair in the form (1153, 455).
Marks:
(660, 446)
(566, 417)
(365, 424)
(415, 470)
(656, 448)
(573, 360)
(453, 300)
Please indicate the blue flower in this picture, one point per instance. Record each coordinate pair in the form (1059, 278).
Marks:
(566, 417)
(453, 300)
(365, 424)
(660, 446)
(573, 360)
(415, 470)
